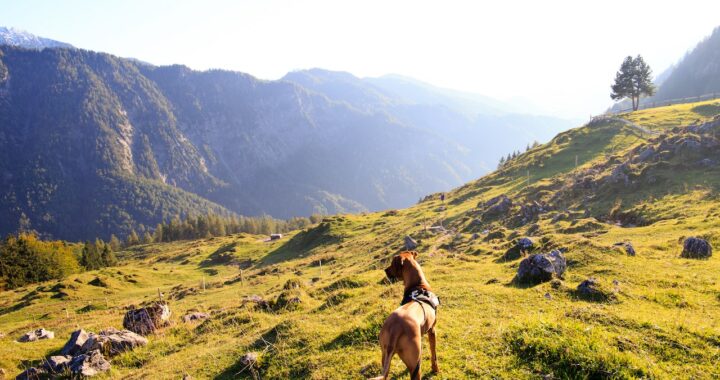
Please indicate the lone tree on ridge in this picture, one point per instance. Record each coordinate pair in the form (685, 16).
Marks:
(632, 81)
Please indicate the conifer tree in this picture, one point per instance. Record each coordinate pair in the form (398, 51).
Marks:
(633, 80)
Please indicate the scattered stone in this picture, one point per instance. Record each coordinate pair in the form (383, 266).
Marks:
(619, 174)
(410, 244)
(645, 154)
(38, 334)
(494, 235)
(475, 236)
(525, 244)
(548, 296)
(257, 301)
(497, 206)
(531, 211)
(112, 342)
(194, 317)
(533, 229)
(187, 377)
(591, 289)
(147, 320)
(75, 343)
(627, 246)
(492, 281)
(437, 229)
(58, 363)
(696, 248)
(89, 364)
(539, 268)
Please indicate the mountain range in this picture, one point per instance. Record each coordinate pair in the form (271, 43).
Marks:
(94, 144)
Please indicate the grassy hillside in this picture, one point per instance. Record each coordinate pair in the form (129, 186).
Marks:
(658, 319)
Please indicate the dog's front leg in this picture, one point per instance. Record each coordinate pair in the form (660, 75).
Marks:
(433, 355)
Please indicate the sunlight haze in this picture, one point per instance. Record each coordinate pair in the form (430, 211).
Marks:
(558, 57)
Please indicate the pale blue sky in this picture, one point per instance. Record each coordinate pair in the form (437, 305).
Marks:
(559, 55)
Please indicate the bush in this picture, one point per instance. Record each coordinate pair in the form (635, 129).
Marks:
(25, 259)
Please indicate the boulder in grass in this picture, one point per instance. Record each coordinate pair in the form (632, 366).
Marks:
(525, 244)
(543, 267)
(410, 243)
(89, 364)
(147, 320)
(696, 248)
(38, 334)
(497, 206)
(113, 342)
(591, 290)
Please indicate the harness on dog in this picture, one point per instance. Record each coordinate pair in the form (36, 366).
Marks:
(423, 296)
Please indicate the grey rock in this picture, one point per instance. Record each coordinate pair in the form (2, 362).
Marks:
(194, 317)
(696, 248)
(525, 244)
(38, 334)
(410, 243)
(89, 364)
(539, 268)
(497, 206)
(619, 174)
(75, 343)
(147, 320)
(645, 154)
(589, 287)
(113, 342)
(58, 363)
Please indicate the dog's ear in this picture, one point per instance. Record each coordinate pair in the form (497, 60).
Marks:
(414, 253)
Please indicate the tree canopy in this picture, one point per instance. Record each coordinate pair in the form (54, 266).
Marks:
(633, 80)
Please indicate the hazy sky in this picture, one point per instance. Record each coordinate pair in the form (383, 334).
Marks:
(560, 55)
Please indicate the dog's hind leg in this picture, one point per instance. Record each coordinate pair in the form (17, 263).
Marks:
(411, 356)
(388, 350)
(433, 354)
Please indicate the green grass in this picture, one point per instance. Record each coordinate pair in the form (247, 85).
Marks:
(661, 320)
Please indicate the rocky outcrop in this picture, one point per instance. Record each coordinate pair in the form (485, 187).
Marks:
(696, 248)
(75, 343)
(531, 211)
(147, 320)
(539, 268)
(38, 334)
(89, 364)
(112, 342)
(497, 206)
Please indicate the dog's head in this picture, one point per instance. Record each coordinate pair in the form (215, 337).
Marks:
(394, 271)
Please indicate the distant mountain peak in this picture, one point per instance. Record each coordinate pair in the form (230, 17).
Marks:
(21, 38)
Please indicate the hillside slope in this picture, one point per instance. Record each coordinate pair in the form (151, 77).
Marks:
(585, 191)
(178, 141)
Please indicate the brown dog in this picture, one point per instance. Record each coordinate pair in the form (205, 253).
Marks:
(404, 328)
